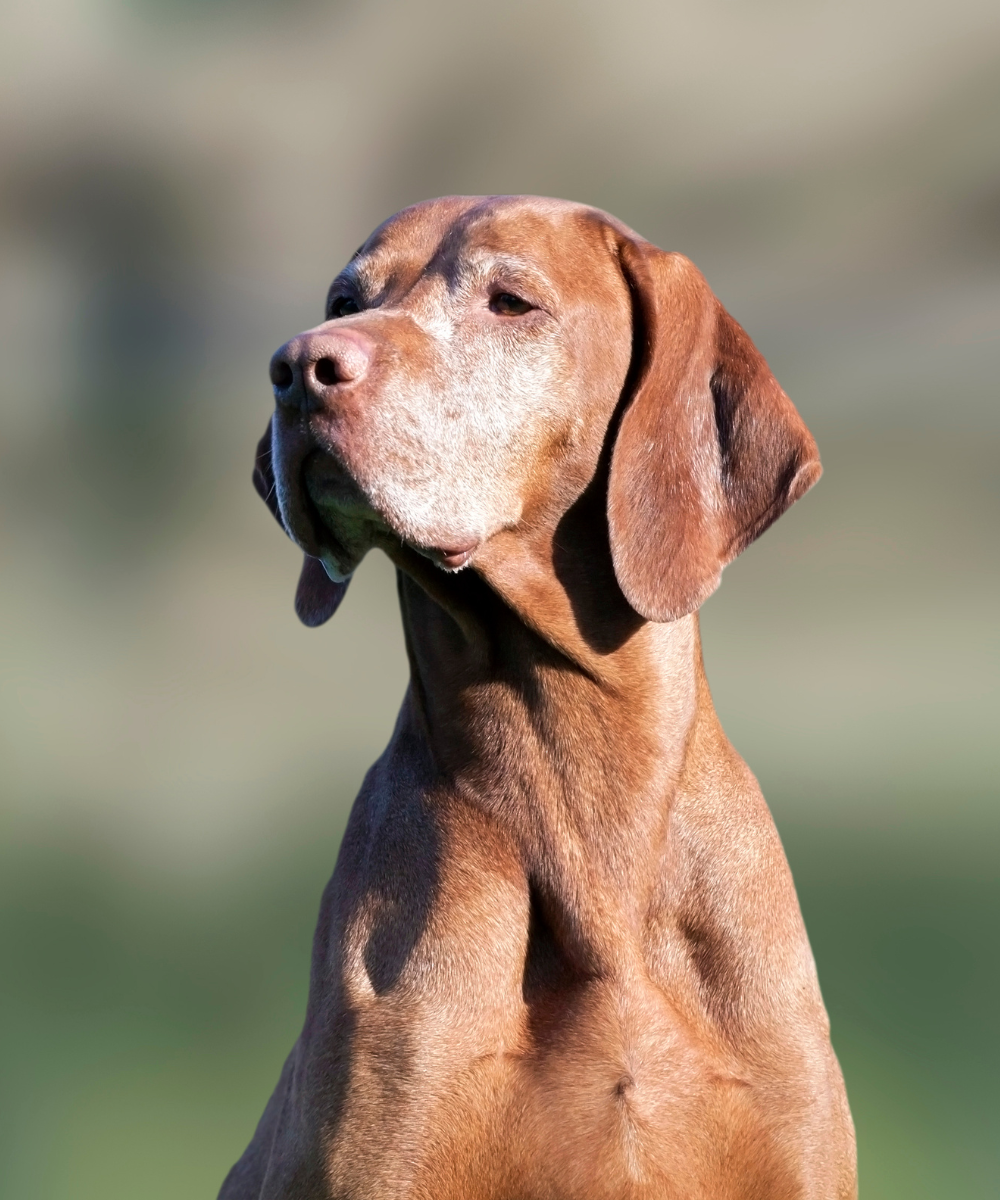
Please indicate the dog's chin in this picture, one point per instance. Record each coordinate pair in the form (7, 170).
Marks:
(346, 535)
(343, 536)
(345, 525)
(349, 526)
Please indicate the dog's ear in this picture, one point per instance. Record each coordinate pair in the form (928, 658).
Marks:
(317, 597)
(709, 450)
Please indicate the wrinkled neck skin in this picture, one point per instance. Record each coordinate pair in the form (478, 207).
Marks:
(569, 726)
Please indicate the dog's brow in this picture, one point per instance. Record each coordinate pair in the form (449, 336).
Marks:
(507, 263)
(346, 278)
(356, 276)
(482, 269)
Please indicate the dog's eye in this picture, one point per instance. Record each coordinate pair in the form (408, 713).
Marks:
(343, 306)
(509, 305)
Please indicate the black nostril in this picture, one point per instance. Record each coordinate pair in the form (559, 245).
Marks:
(281, 374)
(326, 372)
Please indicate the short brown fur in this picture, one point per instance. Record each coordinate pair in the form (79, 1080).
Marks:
(561, 955)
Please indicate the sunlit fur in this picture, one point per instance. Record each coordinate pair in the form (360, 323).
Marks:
(561, 956)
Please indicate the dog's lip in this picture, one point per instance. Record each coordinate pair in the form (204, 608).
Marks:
(305, 522)
(308, 530)
(451, 557)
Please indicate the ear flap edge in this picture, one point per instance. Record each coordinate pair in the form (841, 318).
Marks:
(709, 450)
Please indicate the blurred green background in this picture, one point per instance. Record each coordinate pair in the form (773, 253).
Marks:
(180, 182)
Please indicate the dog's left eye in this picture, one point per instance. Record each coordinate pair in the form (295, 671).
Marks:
(509, 305)
(343, 306)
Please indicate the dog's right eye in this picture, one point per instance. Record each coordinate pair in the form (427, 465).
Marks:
(506, 304)
(343, 306)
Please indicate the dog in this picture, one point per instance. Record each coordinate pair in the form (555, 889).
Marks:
(561, 955)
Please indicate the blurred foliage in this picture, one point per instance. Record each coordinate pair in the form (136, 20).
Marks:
(136, 345)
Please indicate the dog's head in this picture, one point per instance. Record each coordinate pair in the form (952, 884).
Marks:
(476, 358)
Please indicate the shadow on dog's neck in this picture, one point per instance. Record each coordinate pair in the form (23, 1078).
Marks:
(535, 654)
(574, 744)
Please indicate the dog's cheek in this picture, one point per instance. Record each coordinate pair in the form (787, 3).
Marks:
(455, 458)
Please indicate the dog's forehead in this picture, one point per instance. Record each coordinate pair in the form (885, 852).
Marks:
(550, 237)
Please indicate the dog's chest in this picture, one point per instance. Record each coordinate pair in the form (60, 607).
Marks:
(474, 1072)
(616, 1099)
(456, 1048)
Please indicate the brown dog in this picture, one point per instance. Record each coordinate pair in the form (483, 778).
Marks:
(561, 956)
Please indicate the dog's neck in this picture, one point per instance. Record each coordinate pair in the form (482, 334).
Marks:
(599, 733)
(550, 630)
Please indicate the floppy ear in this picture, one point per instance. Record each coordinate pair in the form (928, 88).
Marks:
(317, 597)
(709, 451)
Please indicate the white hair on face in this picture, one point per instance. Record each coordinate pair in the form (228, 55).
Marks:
(444, 453)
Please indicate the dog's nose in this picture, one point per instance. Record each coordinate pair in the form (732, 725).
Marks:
(306, 370)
